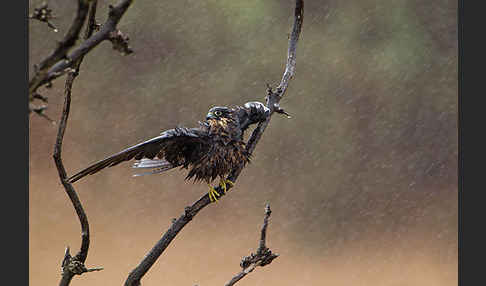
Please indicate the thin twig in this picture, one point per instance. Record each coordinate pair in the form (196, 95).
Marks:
(273, 99)
(60, 62)
(39, 110)
(91, 25)
(67, 274)
(73, 265)
(69, 39)
(263, 236)
(43, 14)
(263, 256)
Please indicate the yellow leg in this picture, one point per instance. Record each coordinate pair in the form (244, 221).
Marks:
(213, 194)
(223, 184)
(230, 183)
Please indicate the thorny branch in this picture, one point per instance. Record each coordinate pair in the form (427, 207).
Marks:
(272, 100)
(73, 265)
(263, 256)
(60, 61)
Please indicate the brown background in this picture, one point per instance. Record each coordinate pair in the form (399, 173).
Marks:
(362, 180)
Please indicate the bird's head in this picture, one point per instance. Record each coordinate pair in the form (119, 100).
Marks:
(221, 119)
(219, 113)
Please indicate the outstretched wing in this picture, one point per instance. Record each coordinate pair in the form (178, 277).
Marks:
(179, 146)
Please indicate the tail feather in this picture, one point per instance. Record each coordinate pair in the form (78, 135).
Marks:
(157, 166)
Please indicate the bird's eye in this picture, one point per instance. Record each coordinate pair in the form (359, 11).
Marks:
(217, 113)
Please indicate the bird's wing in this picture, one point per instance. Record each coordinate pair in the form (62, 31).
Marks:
(179, 144)
(251, 113)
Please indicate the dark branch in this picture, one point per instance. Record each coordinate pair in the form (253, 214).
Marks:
(43, 14)
(292, 51)
(39, 110)
(273, 99)
(73, 265)
(55, 66)
(68, 262)
(120, 42)
(69, 39)
(91, 20)
(66, 44)
(263, 236)
(263, 256)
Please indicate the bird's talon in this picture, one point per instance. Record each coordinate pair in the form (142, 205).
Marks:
(213, 194)
(223, 186)
(230, 183)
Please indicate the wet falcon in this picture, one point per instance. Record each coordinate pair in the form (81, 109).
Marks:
(208, 152)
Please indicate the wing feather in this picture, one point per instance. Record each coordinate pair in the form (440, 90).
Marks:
(182, 137)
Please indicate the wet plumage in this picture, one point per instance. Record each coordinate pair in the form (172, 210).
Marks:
(209, 151)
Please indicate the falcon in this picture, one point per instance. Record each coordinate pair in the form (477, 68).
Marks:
(209, 151)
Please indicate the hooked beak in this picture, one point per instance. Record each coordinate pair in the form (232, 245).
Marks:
(210, 115)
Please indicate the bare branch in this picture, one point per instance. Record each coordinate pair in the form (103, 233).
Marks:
(292, 51)
(55, 66)
(43, 14)
(91, 20)
(263, 256)
(73, 265)
(68, 41)
(69, 262)
(120, 42)
(263, 236)
(273, 99)
(39, 110)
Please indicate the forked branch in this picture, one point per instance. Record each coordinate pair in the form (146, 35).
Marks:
(272, 100)
(60, 61)
(69, 39)
(73, 265)
(44, 14)
(263, 256)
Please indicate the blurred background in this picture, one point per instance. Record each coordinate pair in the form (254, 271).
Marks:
(362, 180)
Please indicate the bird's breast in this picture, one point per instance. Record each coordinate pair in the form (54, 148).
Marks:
(229, 154)
(219, 161)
